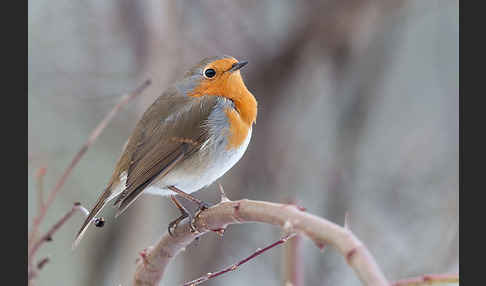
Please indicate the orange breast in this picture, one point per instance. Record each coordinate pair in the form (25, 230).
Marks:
(238, 129)
(230, 85)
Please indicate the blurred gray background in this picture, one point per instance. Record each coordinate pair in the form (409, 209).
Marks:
(358, 113)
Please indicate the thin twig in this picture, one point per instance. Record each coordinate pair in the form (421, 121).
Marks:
(429, 279)
(32, 271)
(94, 134)
(54, 229)
(40, 186)
(238, 264)
(39, 178)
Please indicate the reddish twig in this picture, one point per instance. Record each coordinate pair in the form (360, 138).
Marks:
(40, 186)
(32, 271)
(39, 176)
(94, 134)
(238, 264)
(54, 229)
(428, 279)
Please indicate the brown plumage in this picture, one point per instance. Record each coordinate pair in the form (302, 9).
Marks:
(192, 134)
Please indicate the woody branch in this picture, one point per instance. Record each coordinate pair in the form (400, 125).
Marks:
(150, 269)
(322, 232)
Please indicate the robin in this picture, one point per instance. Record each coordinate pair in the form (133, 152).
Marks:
(189, 137)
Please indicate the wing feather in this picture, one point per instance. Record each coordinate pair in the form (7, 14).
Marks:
(171, 133)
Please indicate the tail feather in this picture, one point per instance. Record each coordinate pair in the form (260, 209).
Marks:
(102, 201)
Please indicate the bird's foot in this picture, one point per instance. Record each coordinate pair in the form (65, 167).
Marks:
(202, 206)
(173, 224)
(184, 213)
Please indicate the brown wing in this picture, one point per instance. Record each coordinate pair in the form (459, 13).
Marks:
(169, 131)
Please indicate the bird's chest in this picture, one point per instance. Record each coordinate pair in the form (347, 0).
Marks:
(219, 158)
(216, 156)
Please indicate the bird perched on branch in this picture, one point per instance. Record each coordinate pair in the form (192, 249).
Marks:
(189, 137)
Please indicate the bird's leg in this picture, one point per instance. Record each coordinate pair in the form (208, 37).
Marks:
(202, 205)
(184, 213)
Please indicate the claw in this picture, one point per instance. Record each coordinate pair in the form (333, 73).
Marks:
(193, 227)
(184, 213)
(202, 207)
(173, 224)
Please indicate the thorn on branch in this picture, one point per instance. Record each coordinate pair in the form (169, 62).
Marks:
(301, 208)
(143, 256)
(346, 221)
(350, 255)
(321, 246)
(224, 198)
(287, 227)
(42, 263)
(291, 202)
(219, 232)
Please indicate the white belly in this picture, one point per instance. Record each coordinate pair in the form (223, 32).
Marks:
(189, 180)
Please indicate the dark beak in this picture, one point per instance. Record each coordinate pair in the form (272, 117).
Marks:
(237, 66)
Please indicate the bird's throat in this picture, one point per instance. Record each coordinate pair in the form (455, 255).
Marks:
(232, 87)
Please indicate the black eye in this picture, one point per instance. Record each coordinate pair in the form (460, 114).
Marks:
(209, 73)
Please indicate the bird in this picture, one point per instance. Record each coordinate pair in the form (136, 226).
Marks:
(190, 136)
